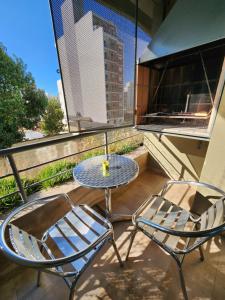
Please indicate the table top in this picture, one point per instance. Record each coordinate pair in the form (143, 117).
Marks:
(122, 170)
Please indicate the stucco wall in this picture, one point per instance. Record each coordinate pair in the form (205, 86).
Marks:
(214, 166)
(179, 158)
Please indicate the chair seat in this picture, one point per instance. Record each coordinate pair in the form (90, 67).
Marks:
(73, 233)
(167, 214)
(70, 237)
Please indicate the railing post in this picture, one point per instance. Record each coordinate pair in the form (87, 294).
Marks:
(106, 144)
(17, 177)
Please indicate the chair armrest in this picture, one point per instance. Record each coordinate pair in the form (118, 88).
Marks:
(189, 234)
(189, 182)
(53, 262)
(48, 263)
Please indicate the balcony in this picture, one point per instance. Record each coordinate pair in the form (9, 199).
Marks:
(175, 98)
(149, 273)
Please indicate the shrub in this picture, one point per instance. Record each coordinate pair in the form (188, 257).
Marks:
(54, 169)
(51, 122)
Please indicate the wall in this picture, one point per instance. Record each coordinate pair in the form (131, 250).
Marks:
(179, 158)
(182, 158)
(214, 166)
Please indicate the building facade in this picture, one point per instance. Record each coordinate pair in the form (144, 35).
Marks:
(62, 101)
(91, 57)
(128, 96)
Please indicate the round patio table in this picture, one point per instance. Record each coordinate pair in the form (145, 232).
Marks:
(122, 170)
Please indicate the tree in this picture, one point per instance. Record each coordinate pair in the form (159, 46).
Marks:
(12, 114)
(52, 120)
(35, 103)
(21, 103)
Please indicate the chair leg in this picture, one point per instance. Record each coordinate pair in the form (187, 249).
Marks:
(131, 242)
(182, 282)
(72, 289)
(201, 253)
(117, 252)
(38, 278)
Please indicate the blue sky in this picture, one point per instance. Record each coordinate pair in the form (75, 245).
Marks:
(26, 31)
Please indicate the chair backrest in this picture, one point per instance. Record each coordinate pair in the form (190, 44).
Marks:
(67, 240)
(25, 244)
(213, 217)
(25, 249)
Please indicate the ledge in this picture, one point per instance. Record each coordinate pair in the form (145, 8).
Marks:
(171, 130)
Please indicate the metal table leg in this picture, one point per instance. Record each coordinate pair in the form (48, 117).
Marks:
(113, 217)
(108, 204)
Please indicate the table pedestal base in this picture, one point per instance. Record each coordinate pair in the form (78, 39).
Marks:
(119, 218)
(111, 216)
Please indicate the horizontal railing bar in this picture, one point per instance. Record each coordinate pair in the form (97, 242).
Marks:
(7, 175)
(36, 183)
(69, 155)
(10, 194)
(51, 161)
(22, 148)
(60, 173)
(76, 153)
(57, 159)
(46, 179)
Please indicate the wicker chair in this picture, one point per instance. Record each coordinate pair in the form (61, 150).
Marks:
(66, 248)
(176, 230)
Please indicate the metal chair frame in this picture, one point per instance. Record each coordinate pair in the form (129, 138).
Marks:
(55, 265)
(200, 235)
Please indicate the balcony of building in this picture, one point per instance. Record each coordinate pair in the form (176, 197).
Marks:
(149, 273)
(174, 131)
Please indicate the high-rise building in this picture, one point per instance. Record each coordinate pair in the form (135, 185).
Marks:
(91, 56)
(128, 96)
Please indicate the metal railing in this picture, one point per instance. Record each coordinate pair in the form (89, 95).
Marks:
(9, 152)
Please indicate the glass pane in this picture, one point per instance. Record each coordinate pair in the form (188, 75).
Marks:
(96, 46)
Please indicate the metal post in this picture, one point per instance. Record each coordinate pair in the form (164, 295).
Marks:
(78, 125)
(17, 177)
(108, 203)
(206, 78)
(59, 60)
(106, 144)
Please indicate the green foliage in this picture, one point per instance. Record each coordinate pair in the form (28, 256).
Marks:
(54, 169)
(8, 186)
(35, 103)
(21, 103)
(12, 114)
(52, 119)
(127, 149)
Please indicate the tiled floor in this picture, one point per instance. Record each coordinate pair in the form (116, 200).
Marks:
(149, 274)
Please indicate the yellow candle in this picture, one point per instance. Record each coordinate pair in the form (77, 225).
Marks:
(105, 168)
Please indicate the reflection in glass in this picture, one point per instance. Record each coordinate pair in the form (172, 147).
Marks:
(97, 55)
